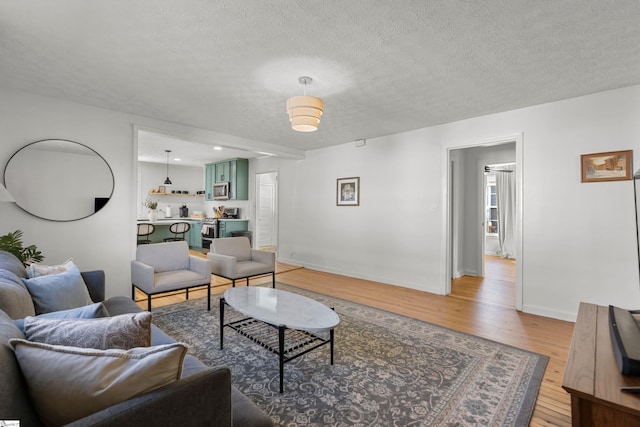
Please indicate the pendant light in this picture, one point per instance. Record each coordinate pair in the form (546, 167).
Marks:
(167, 181)
(304, 111)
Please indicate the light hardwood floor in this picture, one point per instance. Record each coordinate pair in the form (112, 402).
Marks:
(470, 309)
(497, 287)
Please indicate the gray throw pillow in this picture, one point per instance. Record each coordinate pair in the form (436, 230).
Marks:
(58, 291)
(86, 312)
(123, 332)
(68, 383)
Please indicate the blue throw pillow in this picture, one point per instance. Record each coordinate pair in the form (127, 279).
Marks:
(92, 311)
(58, 291)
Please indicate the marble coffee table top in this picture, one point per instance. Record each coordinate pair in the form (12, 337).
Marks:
(278, 307)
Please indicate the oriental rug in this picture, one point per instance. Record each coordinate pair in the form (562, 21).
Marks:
(389, 370)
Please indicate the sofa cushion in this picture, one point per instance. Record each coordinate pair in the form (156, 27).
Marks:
(15, 300)
(164, 256)
(68, 383)
(58, 291)
(123, 332)
(9, 261)
(37, 270)
(14, 399)
(85, 312)
(121, 305)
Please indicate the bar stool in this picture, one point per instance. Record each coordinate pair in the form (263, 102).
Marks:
(144, 230)
(179, 229)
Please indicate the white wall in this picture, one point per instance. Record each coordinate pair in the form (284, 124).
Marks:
(107, 239)
(104, 240)
(390, 237)
(579, 239)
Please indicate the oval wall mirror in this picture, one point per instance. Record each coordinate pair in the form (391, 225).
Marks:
(59, 180)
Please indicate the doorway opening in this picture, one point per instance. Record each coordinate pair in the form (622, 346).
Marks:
(266, 231)
(497, 283)
(483, 261)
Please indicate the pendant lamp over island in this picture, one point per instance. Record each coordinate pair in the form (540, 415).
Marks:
(304, 111)
(167, 181)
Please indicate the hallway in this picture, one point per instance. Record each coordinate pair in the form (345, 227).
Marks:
(497, 287)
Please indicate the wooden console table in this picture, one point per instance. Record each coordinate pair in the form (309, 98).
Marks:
(593, 378)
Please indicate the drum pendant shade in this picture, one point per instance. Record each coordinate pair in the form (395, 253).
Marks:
(304, 113)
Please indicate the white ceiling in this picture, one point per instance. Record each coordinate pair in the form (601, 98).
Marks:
(381, 67)
(152, 149)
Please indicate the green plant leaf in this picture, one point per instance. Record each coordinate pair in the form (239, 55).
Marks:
(12, 243)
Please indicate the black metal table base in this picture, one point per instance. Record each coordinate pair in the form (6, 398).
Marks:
(288, 345)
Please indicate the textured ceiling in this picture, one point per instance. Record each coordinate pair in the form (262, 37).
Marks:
(381, 67)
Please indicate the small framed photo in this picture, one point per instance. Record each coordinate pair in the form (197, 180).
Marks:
(348, 191)
(162, 189)
(610, 166)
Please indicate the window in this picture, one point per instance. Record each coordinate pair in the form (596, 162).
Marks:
(491, 206)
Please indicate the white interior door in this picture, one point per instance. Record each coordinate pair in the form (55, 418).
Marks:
(266, 210)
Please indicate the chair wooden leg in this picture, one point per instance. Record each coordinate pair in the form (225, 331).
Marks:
(149, 303)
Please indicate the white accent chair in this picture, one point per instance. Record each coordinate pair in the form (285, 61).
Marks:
(166, 267)
(233, 259)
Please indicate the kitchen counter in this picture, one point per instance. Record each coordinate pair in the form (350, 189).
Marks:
(193, 237)
(168, 221)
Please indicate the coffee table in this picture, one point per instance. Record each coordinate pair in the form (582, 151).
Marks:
(299, 321)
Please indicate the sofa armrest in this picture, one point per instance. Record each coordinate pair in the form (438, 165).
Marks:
(264, 257)
(201, 398)
(95, 284)
(142, 275)
(200, 265)
(223, 265)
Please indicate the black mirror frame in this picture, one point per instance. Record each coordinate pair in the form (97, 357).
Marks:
(113, 181)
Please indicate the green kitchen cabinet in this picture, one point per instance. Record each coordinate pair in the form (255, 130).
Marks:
(195, 235)
(234, 171)
(222, 171)
(226, 227)
(209, 179)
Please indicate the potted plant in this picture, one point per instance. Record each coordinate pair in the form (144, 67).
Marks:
(12, 243)
(152, 205)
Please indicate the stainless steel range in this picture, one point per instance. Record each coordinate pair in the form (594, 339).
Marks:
(209, 232)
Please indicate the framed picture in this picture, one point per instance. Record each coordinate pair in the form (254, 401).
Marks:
(610, 166)
(162, 189)
(348, 191)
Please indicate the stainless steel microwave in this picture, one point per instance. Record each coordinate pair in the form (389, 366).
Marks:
(221, 190)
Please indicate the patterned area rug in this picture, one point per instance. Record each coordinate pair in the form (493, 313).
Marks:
(389, 370)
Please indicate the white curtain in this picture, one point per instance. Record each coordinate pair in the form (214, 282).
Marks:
(506, 195)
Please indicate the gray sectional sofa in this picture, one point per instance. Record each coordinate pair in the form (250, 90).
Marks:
(204, 396)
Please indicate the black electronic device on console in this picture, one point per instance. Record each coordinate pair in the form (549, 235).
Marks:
(625, 339)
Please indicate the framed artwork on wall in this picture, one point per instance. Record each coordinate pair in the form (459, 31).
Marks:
(609, 166)
(162, 189)
(348, 191)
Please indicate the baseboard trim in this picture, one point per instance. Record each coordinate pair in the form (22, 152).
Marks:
(380, 279)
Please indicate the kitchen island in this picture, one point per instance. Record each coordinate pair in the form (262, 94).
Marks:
(193, 237)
